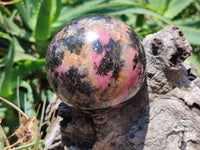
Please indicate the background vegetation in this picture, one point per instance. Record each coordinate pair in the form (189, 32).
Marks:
(27, 27)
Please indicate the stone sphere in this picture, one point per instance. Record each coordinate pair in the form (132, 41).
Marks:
(95, 62)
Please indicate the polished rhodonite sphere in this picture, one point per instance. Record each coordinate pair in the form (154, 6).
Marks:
(94, 62)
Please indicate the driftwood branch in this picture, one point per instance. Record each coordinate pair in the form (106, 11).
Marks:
(165, 113)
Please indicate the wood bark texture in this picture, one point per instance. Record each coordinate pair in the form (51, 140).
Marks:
(164, 114)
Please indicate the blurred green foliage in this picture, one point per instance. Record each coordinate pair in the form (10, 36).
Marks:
(27, 26)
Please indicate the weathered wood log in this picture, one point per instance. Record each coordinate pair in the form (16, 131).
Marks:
(164, 114)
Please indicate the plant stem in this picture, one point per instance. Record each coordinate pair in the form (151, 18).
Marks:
(6, 138)
(9, 3)
(18, 101)
(43, 109)
(14, 106)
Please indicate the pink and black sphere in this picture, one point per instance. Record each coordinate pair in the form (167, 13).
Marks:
(95, 62)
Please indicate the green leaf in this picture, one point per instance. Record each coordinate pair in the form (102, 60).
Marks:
(19, 56)
(24, 14)
(16, 30)
(5, 84)
(195, 59)
(197, 4)
(48, 94)
(29, 90)
(32, 7)
(5, 10)
(41, 47)
(124, 8)
(192, 22)
(158, 5)
(112, 8)
(192, 34)
(56, 9)
(175, 7)
(20, 53)
(28, 10)
(26, 68)
(29, 102)
(2, 27)
(140, 10)
(5, 36)
(42, 30)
